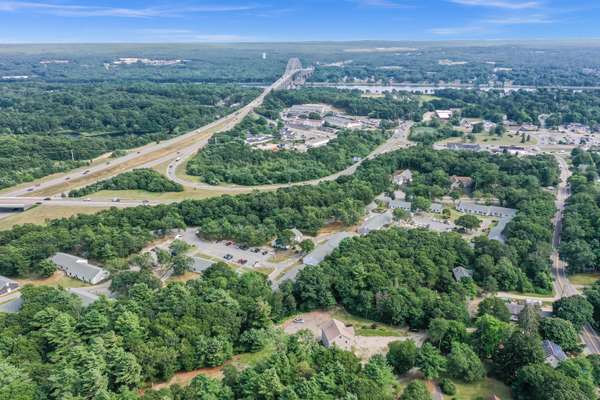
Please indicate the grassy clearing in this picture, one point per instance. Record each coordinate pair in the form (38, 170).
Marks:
(188, 276)
(483, 389)
(504, 140)
(57, 279)
(366, 327)
(42, 214)
(585, 279)
(164, 196)
(425, 98)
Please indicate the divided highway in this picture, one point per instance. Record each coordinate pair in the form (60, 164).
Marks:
(146, 156)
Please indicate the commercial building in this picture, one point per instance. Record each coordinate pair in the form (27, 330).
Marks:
(79, 268)
(305, 109)
(325, 249)
(443, 114)
(343, 122)
(463, 146)
(336, 333)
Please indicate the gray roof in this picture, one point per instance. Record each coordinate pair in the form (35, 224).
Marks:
(335, 328)
(4, 281)
(552, 349)
(515, 308)
(325, 249)
(486, 210)
(77, 266)
(200, 264)
(405, 205)
(462, 273)
(436, 207)
(464, 146)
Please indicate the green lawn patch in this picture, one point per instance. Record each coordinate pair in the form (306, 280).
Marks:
(482, 389)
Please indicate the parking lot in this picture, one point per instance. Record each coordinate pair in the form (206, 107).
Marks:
(227, 251)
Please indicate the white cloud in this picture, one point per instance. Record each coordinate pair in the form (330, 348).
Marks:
(506, 4)
(187, 35)
(382, 4)
(459, 30)
(68, 10)
(521, 20)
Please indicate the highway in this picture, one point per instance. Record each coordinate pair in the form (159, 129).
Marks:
(149, 155)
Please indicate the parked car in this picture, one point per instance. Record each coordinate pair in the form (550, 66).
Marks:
(228, 256)
(298, 320)
(116, 200)
(242, 261)
(228, 243)
(87, 199)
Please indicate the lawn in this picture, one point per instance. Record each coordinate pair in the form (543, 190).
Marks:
(41, 214)
(57, 279)
(482, 389)
(366, 327)
(584, 279)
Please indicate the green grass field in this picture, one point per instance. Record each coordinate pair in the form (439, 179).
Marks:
(482, 389)
(586, 279)
(41, 214)
(365, 327)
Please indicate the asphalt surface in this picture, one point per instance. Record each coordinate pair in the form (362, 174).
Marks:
(398, 140)
(224, 123)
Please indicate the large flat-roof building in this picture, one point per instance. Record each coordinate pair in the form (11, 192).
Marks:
(79, 268)
(323, 250)
(488, 211)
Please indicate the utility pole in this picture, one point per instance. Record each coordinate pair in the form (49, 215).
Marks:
(72, 155)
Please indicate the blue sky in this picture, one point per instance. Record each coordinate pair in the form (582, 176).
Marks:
(298, 20)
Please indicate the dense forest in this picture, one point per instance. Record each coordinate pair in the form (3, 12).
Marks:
(536, 63)
(54, 128)
(400, 277)
(138, 179)
(580, 245)
(558, 106)
(256, 218)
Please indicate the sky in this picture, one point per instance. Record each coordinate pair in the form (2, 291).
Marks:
(88, 21)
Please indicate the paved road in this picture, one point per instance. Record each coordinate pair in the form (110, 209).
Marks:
(151, 154)
(398, 140)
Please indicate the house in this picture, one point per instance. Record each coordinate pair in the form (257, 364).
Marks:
(401, 204)
(402, 177)
(514, 309)
(436, 208)
(461, 273)
(443, 114)
(336, 333)
(488, 211)
(376, 223)
(325, 249)
(200, 264)
(79, 268)
(497, 232)
(7, 285)
(298, 236)
(461, 182)
(554, 354)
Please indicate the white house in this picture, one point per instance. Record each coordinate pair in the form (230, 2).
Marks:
(335, 333)
(79, 268)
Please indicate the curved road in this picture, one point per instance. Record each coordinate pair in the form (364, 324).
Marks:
(396, 141)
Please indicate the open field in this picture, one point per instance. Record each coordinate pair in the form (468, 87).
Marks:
(42, 214)
(365, 327)
(482, 389)
(585, 279)
(188, 193)
(57, 279)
